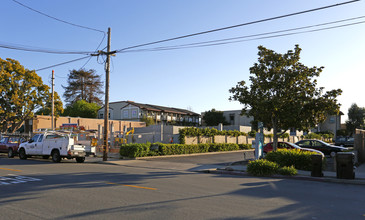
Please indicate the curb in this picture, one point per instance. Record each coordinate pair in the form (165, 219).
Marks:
(298, 177)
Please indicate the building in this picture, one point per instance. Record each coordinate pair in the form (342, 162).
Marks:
(132, 111)
(331, 124)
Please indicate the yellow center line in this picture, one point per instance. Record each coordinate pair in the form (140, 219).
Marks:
(10, 169)
(139, 187)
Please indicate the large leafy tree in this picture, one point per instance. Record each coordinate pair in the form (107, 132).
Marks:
(356, 118)
(83, 85)
(47, 109)
(283, 93)
(21, 93)
(82, 108)
(214, 117)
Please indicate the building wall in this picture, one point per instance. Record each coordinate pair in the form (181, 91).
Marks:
(115, 112)
(234, 117)
(44, 121)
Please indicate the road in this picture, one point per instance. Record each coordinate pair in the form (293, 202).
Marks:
(164, 188)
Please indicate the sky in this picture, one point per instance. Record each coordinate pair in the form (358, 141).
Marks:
(196, 78)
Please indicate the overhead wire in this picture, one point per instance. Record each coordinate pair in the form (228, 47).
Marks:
(238, 25)
(234, 39)
(41, 50)
(48, 67)
(57, 19)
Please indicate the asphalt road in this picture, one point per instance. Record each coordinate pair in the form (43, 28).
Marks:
(164, 188)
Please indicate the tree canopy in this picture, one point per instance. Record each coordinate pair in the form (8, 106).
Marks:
(47, 109)
(21, 93)
(83, 85)
(82, 108)
(213, 118)
(356, 118)
(283, 93)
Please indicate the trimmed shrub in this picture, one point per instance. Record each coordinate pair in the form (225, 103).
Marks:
(262, 167)
(288, 171)
(301, 160)
(156, 149)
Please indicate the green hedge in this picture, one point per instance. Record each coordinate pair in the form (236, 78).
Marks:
(301, 160)
(262, 167)
(265, 167)
(156, 149)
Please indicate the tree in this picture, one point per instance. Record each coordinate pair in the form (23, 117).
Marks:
(21, 93)
(356, 118)
(283, 93)
(213, 118)
(47, 109)
(83, 85)
(82, 108)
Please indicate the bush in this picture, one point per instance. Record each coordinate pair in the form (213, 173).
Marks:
(262, 167)
(301, 160)
(148, 149)
(288, 171)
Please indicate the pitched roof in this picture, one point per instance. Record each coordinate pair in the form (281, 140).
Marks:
(162, 109)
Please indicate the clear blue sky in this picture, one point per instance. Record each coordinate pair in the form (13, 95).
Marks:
(195, 78)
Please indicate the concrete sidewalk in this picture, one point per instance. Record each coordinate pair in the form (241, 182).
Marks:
(235, 168)
(239, 168)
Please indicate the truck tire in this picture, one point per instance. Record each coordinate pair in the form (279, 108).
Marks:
(10, 152)
(80, 159)
(56, 157)
(22, 154)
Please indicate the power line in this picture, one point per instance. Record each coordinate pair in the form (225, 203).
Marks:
(238, 25)
(57, 19)
(41, 50)
(234, 39)
(48, 67)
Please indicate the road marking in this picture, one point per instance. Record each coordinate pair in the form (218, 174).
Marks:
(10, 169)
(14, 179)
(139, 187)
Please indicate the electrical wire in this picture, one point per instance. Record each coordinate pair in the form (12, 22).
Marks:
(232, 40)
(48, 67)
(238, 25)
(41, 50)
(57, 19)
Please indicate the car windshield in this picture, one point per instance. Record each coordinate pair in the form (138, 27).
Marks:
(293, 145)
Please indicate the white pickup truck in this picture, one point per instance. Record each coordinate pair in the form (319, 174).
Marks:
(55, 144)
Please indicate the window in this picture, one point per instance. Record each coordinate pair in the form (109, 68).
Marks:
(101, 115)
(40, 138)
(125, 113)
(332, 119)
(134, 113)
(35, 138)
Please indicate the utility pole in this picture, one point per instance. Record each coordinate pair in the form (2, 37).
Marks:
(52, 124)
(106, 107)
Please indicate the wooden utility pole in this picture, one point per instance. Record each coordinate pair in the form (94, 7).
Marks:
(106, 107)
(52, 124)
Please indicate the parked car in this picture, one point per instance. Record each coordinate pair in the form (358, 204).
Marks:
(10, 145)
(287, 145)
(322, 146)
(344, 141)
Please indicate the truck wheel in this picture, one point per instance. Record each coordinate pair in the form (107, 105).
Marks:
(80, 159)
(22, 154)
(10, 152)
(56, 156)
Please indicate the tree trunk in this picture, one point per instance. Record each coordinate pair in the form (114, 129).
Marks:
(275, 131)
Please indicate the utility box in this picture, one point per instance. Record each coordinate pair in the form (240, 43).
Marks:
(316, 165)
(345, 168)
